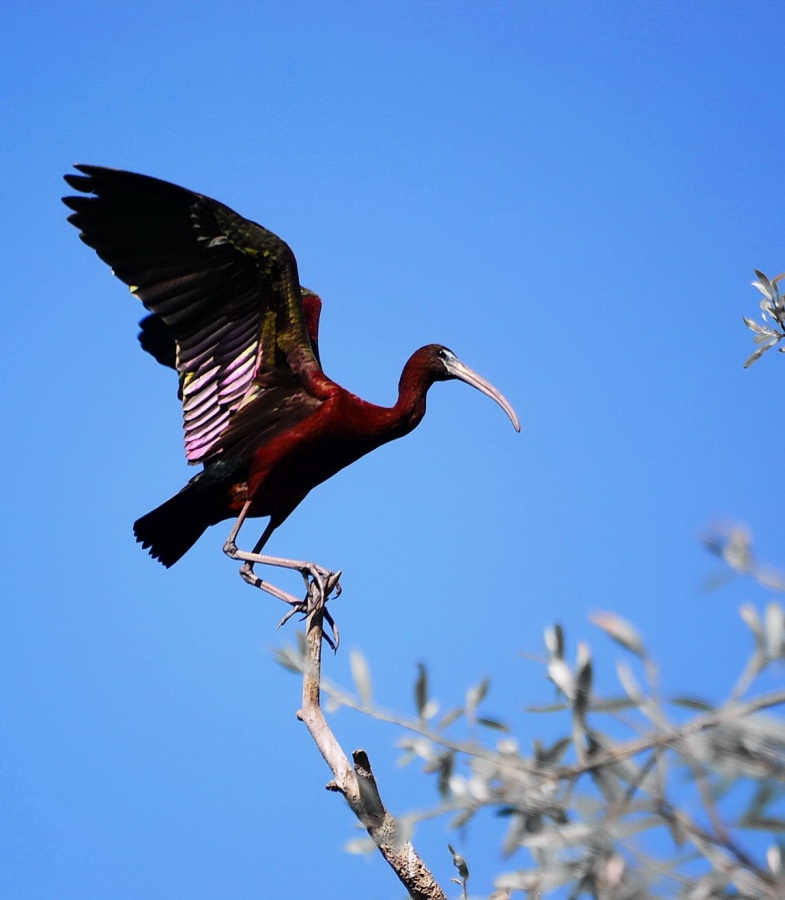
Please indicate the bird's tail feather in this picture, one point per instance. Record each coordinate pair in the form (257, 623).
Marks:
(172, 528)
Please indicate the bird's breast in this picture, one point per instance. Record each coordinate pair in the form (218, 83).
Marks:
(310, 452)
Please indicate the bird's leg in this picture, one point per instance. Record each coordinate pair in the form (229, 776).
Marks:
(319, 582)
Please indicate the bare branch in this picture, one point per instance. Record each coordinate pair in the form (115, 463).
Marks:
(357, 783)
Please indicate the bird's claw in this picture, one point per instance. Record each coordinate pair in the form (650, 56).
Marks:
(332, 582)
(325, 581)
(321, 585)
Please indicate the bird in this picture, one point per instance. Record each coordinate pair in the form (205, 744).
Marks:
(228, 313)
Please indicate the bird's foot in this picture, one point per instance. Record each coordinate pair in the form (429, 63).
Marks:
(320, 584)
(322, 580)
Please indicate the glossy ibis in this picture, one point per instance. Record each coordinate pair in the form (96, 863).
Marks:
(229, 314)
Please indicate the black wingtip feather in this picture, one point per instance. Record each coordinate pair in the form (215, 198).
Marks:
(78, 182)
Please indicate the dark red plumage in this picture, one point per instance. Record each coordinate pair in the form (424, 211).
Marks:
(228, 312)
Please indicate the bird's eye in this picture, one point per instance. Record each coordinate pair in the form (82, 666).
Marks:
(446, 355)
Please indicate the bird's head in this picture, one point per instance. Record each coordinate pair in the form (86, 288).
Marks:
(438, 363)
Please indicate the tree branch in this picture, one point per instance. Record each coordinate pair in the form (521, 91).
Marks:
(673, 736)
(357, 783)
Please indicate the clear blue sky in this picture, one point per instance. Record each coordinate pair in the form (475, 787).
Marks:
(571, 196)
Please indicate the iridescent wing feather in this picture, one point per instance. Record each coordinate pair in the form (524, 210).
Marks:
(223, 288)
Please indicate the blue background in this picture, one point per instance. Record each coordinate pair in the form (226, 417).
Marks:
(571, 196)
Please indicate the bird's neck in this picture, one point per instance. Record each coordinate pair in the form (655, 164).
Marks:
(409, 409)
(380, 424)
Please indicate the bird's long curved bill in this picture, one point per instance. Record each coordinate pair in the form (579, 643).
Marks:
(458, 370)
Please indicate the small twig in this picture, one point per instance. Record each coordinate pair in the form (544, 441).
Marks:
(702, 839)
(416, 726)
(754, 666)
(357, 783)
(704, 789)
(674, 736)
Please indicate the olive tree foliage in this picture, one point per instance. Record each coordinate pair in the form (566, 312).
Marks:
(771, 330)
(638, 795)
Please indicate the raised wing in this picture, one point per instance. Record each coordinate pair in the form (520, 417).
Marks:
(222, 288)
